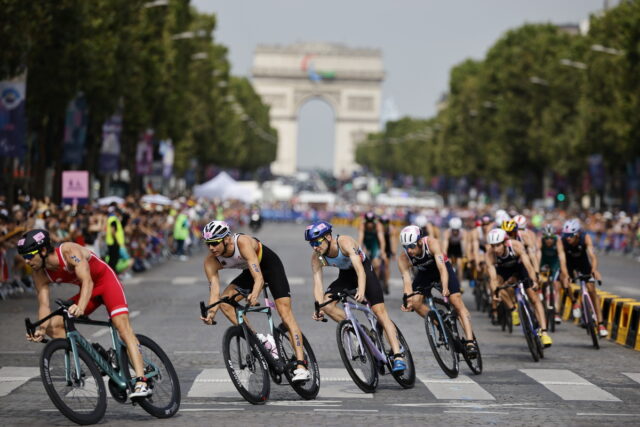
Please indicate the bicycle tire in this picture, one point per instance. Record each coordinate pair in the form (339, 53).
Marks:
(406, 378)
(475, 364)
(590, 324)
(309, 389)
(551, 312)
(346, 336)
(437, 334)
(529, 332)
(166, 397)
(50, 371)
(250, 367)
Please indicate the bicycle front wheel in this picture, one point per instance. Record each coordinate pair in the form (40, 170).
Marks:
(307, 389)
(529, 331)
(406, 378)
(590, 320)
(358, 359)
(442, 345)
(475, 363)
(80, 396)
(164, 401)
(246, 366)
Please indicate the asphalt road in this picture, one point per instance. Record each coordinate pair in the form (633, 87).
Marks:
(573, 385)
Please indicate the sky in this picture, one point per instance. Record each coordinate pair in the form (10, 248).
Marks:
(420, 40)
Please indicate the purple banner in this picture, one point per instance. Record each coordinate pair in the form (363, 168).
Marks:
(12, 119)
(75, 130)
(144, 154)
(110, 151)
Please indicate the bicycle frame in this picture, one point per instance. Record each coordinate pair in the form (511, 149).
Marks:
(359, 329)
(433, 308)
(521, 299)
(584, 292)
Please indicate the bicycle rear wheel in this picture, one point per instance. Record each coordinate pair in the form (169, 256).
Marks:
(308, 389)
(80, 396)
(529, 331)
(247, 368)
(358, 360)
(590, 320)
(442, 345)
(165, 400)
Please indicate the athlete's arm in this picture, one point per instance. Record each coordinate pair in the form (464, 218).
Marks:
(445, 240)
(404, 265)
(73, 255)
(318, 294)
(434, 246)
(526, 261)
(539, 250)
(211, 267)
(564, 273)
(361, 234)
(350, 248)
(491, 270)
(245, 246)
(593, 259)
(532, 250)
(393, 240)
(382, 240)
(41, 283)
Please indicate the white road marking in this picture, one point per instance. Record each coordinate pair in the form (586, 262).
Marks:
(210, 409)
(185, 280)
(133, 281)
(476, 412)
(16, 352)
(105, 331)
(213, 382)
(195, 352)
(296, 281)
(344, 410)
(595, 414)
(467, 405)
(460, 388)
(633, 375)
(568, 385)
(336, 383)
(12, 377)
(292, 403)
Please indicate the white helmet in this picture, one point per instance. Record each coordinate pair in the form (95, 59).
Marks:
(571, 226)
(455, 223)
(421, 220)
(496, 236)
(521, 220)
(501, 216)
(410, 235)
(215, 230)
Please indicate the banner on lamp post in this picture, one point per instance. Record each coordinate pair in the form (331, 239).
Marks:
(13, 141)
(110, 151)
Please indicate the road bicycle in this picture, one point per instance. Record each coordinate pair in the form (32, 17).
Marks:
(528, 321)
(443, 332)
(589, 317)
(72, 369)
(250, 363)
(363, 349)
(548, 292)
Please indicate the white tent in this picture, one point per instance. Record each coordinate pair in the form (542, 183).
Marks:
(223, 187)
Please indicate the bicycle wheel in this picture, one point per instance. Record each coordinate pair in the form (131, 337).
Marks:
(475, 363)
(551, 308)
(248, 369)
(477, 293)
(164, 402)
(590, 320)
(442, 345)
(358, 360)
(529, 332)
(308, 389)
(80, 396)
(406, 378)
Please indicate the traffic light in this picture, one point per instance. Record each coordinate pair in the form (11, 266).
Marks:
(560, 197)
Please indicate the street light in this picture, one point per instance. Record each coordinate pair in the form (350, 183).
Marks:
(574, 64)
(609, 50)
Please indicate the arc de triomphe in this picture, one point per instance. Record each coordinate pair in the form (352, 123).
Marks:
(348, 79)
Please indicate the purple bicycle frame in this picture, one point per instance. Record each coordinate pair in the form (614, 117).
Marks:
(359, 329)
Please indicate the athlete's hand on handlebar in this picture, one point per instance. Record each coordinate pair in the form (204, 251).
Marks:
(359, 296)
(75, 310)
(211, 314)
(252, 298)
(37, 336)
(318, 316)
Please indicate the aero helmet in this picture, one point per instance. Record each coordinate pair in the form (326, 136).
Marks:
(410, 235)
(521, 220)
(215, 230)
(496, 236)
(33, 240)
(317, 229)
(455, 223)
(571, 227)
(548, 231)
(509, 225)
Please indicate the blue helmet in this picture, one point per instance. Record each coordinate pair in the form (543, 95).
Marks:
(317, 229)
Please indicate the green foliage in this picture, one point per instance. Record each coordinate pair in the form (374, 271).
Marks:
(159, 63)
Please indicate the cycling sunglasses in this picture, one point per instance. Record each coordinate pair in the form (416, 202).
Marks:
(317, 242)
(214, 243)
(410, 246)
(30, 255)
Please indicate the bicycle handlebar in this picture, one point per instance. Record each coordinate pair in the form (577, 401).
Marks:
(231, 300)
(340, 296)
(424, 290)
(31, 327)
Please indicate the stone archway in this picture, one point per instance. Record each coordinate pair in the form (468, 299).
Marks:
(348, 79)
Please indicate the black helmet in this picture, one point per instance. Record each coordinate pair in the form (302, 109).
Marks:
(369, 217)
(33, 240)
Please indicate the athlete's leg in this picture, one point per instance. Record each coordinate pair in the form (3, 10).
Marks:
(228, 310)
(389, 328)
(332, 310)
(463, 314)
(537, 307)
(283, 305)
(122, 324)
(591, 288)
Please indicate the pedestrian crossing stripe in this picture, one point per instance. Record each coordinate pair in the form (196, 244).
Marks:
(215, 383)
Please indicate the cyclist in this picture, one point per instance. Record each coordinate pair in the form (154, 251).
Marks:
(424, 253)
(99, 284)
(390, 243)
(259, 264)
(581, 259)
(371, 238)
(426, 227)
(508, 260)
(356, 272)
(551, 253)
(452, 244)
